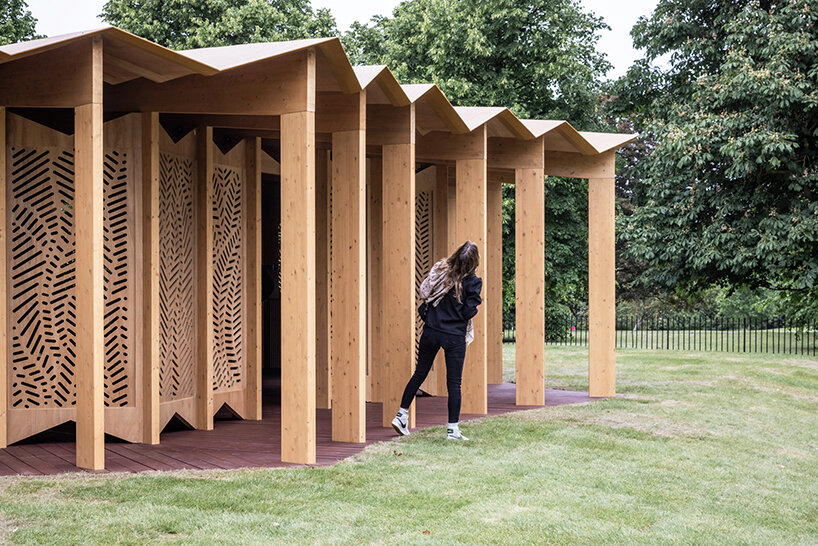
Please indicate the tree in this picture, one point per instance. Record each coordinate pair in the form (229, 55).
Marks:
(539, 58)
(731, 189)
(16, 22)
(187, 24)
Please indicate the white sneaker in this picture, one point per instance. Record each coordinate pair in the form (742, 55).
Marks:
(454, 434)
(401, 424)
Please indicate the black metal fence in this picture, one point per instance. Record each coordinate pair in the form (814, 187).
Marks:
(778, 335)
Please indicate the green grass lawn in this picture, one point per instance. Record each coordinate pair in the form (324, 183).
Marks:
(700, 448)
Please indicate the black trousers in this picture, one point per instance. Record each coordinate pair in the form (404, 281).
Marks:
(454, 349)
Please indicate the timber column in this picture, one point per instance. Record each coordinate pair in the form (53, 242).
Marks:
(601, 285)
(3, 283)
(527, 160)
(471, 207)
(344, 115)
(298, 278)
(89, 234)
(204, 279)
(394, 129)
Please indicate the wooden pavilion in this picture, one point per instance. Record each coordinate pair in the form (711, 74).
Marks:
(133, 235)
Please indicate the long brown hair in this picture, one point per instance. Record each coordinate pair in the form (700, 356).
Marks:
(462, 262)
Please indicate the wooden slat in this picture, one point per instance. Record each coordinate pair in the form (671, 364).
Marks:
(150, 280)
(399, 281)
(252, 276)
(471, 226)
(375, 261)
(601, 287)
(204, 279)
(3, 283)
(298, 287)
(494, 288)
(349, 286)
(530, 285)
(89, 234)
(323, 349)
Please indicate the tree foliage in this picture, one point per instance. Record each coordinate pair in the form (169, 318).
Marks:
(187, 24)
(539, 58)
(16, 22)
(730, 193)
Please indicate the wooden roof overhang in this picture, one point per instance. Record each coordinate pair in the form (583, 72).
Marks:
(56, 72)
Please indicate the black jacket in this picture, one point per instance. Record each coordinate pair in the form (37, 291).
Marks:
(451, 316)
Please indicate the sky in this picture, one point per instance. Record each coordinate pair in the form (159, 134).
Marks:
(62, 16)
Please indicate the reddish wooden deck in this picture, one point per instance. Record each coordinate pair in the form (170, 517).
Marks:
(235, 443)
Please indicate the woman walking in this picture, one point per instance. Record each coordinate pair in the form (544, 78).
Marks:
(450, 294)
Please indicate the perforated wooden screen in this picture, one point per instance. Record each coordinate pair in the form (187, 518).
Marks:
(41, 279)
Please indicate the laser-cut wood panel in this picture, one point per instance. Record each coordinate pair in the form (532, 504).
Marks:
(228, 264)
(423, 247)
(41, 277)
(176, 277)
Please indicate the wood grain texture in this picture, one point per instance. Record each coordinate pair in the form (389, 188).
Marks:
(3, 283)
(572, 165)
(530, 285)
(246, 90)
(323, 254)
(399, 284)
(89, 235)
(298, 287)
(494, 288)
(204, 279)
(471, 226)
(150, 277)
(349, 286)
(252, 276)
(601, 287)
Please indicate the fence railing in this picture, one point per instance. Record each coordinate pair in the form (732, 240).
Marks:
(778, 335)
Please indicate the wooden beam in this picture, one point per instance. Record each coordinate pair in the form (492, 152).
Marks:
(323, 349)
(248, 89)
(441, 146)
(204, 279)
(579, 166)
(150, 280)
(298, 288)
(387, 124)
(252, 220)
(398, 279)
(472, 226)
(494, 287)
(3, 287)
(349, 279)
(58, 78)
(511, 153)
(374, 278)
(339, 112)
(530, 286)
(601, 287)
(89, 236)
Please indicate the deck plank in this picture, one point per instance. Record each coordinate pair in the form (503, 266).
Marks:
(246, 444)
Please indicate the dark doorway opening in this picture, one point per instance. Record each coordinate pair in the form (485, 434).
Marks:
(271, 287)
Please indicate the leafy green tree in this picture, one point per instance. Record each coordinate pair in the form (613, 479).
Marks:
(16, 22)
(187, 24)
(539, 58)
(730, 193)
